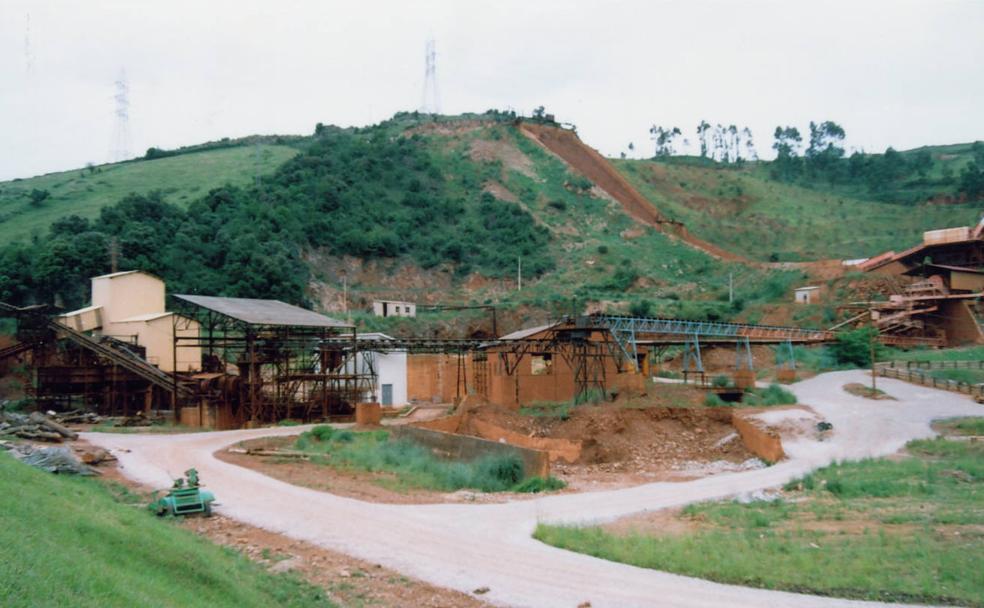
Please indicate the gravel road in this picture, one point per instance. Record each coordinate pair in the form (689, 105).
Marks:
(466, 547)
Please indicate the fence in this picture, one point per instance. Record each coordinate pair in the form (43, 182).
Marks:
(911, 371)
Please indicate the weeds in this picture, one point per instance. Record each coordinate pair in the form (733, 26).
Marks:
(414, 465)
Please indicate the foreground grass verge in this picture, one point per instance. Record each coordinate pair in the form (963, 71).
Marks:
(67, 542)
(904, 531)
(414, 466)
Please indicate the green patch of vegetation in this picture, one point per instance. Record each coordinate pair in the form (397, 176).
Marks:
(66, 542)
(969, 426)
(774, 394)
(559, 410)
(743, 209)
(969, 376)
(413, 465)
(84, 192)
(910, 532)
(107, 426)
(973, 353)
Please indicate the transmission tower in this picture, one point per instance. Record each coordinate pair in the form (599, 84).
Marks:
(28, 53)
(431, 99)
(120, 150)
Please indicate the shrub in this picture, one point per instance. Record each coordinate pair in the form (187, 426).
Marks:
(497, 473)
(854, 347)
(721, 381)
(535, 485)
(321, 433)
(712, 400)
(559, 205)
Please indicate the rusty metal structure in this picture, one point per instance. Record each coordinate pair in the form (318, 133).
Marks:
(265, 360)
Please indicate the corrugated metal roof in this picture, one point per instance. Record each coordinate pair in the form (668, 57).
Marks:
(526, 333)
(263, 312)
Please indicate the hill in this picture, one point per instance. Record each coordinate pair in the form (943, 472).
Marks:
(83, 192)
(67, 542)
(744, 211)
(447, 209)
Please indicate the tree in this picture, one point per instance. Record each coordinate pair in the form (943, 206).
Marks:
(823, 153)
(787, 143)
(702, 137)
(663, 139)
(854, 347)
(539, 113)
(38, 197)
(750, 152)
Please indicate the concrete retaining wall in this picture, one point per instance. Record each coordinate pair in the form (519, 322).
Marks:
(757, 437)
(464, 447)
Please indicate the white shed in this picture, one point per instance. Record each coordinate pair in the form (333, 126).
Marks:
(807, 295)
(391, 373)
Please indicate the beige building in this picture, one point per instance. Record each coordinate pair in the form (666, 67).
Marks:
(807, 295)
(129, 306)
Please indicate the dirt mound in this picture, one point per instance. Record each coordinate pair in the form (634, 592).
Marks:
(636, 438)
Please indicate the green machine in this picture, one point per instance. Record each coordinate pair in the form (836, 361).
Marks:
(185, 497)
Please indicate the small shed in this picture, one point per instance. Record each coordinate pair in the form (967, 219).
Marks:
(394, 308)
(807, 295)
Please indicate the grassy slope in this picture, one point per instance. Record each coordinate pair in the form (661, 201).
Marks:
(906, 530)
(66, 542)
(588, 240)
(742, 210)
(181, 178)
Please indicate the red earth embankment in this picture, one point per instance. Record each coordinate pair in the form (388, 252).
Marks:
(592, 165)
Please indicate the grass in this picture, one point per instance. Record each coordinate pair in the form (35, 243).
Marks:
(970, 376)
(414, 466)
(68, 542)
(968, 426)
(905, 530)
(181, 179)
(973, 353)
(742, 210)
(163, 429)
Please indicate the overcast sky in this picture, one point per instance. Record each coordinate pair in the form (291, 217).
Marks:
(891, 73)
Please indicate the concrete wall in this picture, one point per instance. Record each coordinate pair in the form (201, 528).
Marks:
(157, 336)
(463, 447)
(757, 437)
(125, 295)
(392, 369)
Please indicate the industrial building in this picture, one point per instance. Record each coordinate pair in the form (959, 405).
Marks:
(939, 295)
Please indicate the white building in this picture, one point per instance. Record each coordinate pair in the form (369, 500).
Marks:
(807, 295)
(393, 308)
(391, 372)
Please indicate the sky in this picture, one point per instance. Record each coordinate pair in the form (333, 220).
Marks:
(892, 73)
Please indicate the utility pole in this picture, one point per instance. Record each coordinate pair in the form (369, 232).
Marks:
(114, 255)
(345, 297)
(519, 273)
(731, 288)
(871, 352)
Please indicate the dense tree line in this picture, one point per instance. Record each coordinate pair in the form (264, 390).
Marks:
(370, 193)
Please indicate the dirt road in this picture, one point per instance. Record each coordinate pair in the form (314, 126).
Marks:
(466, 547)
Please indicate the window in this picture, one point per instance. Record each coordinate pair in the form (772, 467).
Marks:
(541, 365)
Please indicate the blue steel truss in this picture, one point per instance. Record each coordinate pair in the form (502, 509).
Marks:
(627, 330)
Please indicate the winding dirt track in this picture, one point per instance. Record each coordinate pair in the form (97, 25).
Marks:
(469, 546)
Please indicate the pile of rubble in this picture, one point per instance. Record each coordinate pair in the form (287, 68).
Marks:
(36, 426)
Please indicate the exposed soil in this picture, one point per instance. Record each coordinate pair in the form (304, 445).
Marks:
(860, 390)
(625, 446)
(505, 152)
(347, 580)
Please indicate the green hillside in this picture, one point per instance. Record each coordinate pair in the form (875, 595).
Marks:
(66, 542)
(84, 192)
(741, 209)
(445, 210)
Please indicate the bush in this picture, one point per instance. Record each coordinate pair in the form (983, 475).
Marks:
(321, 433)
(712, 400)
(774, 395)
(535, 485)
(854, 347)
(558, 205)
(497, 473)
(721, 381)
